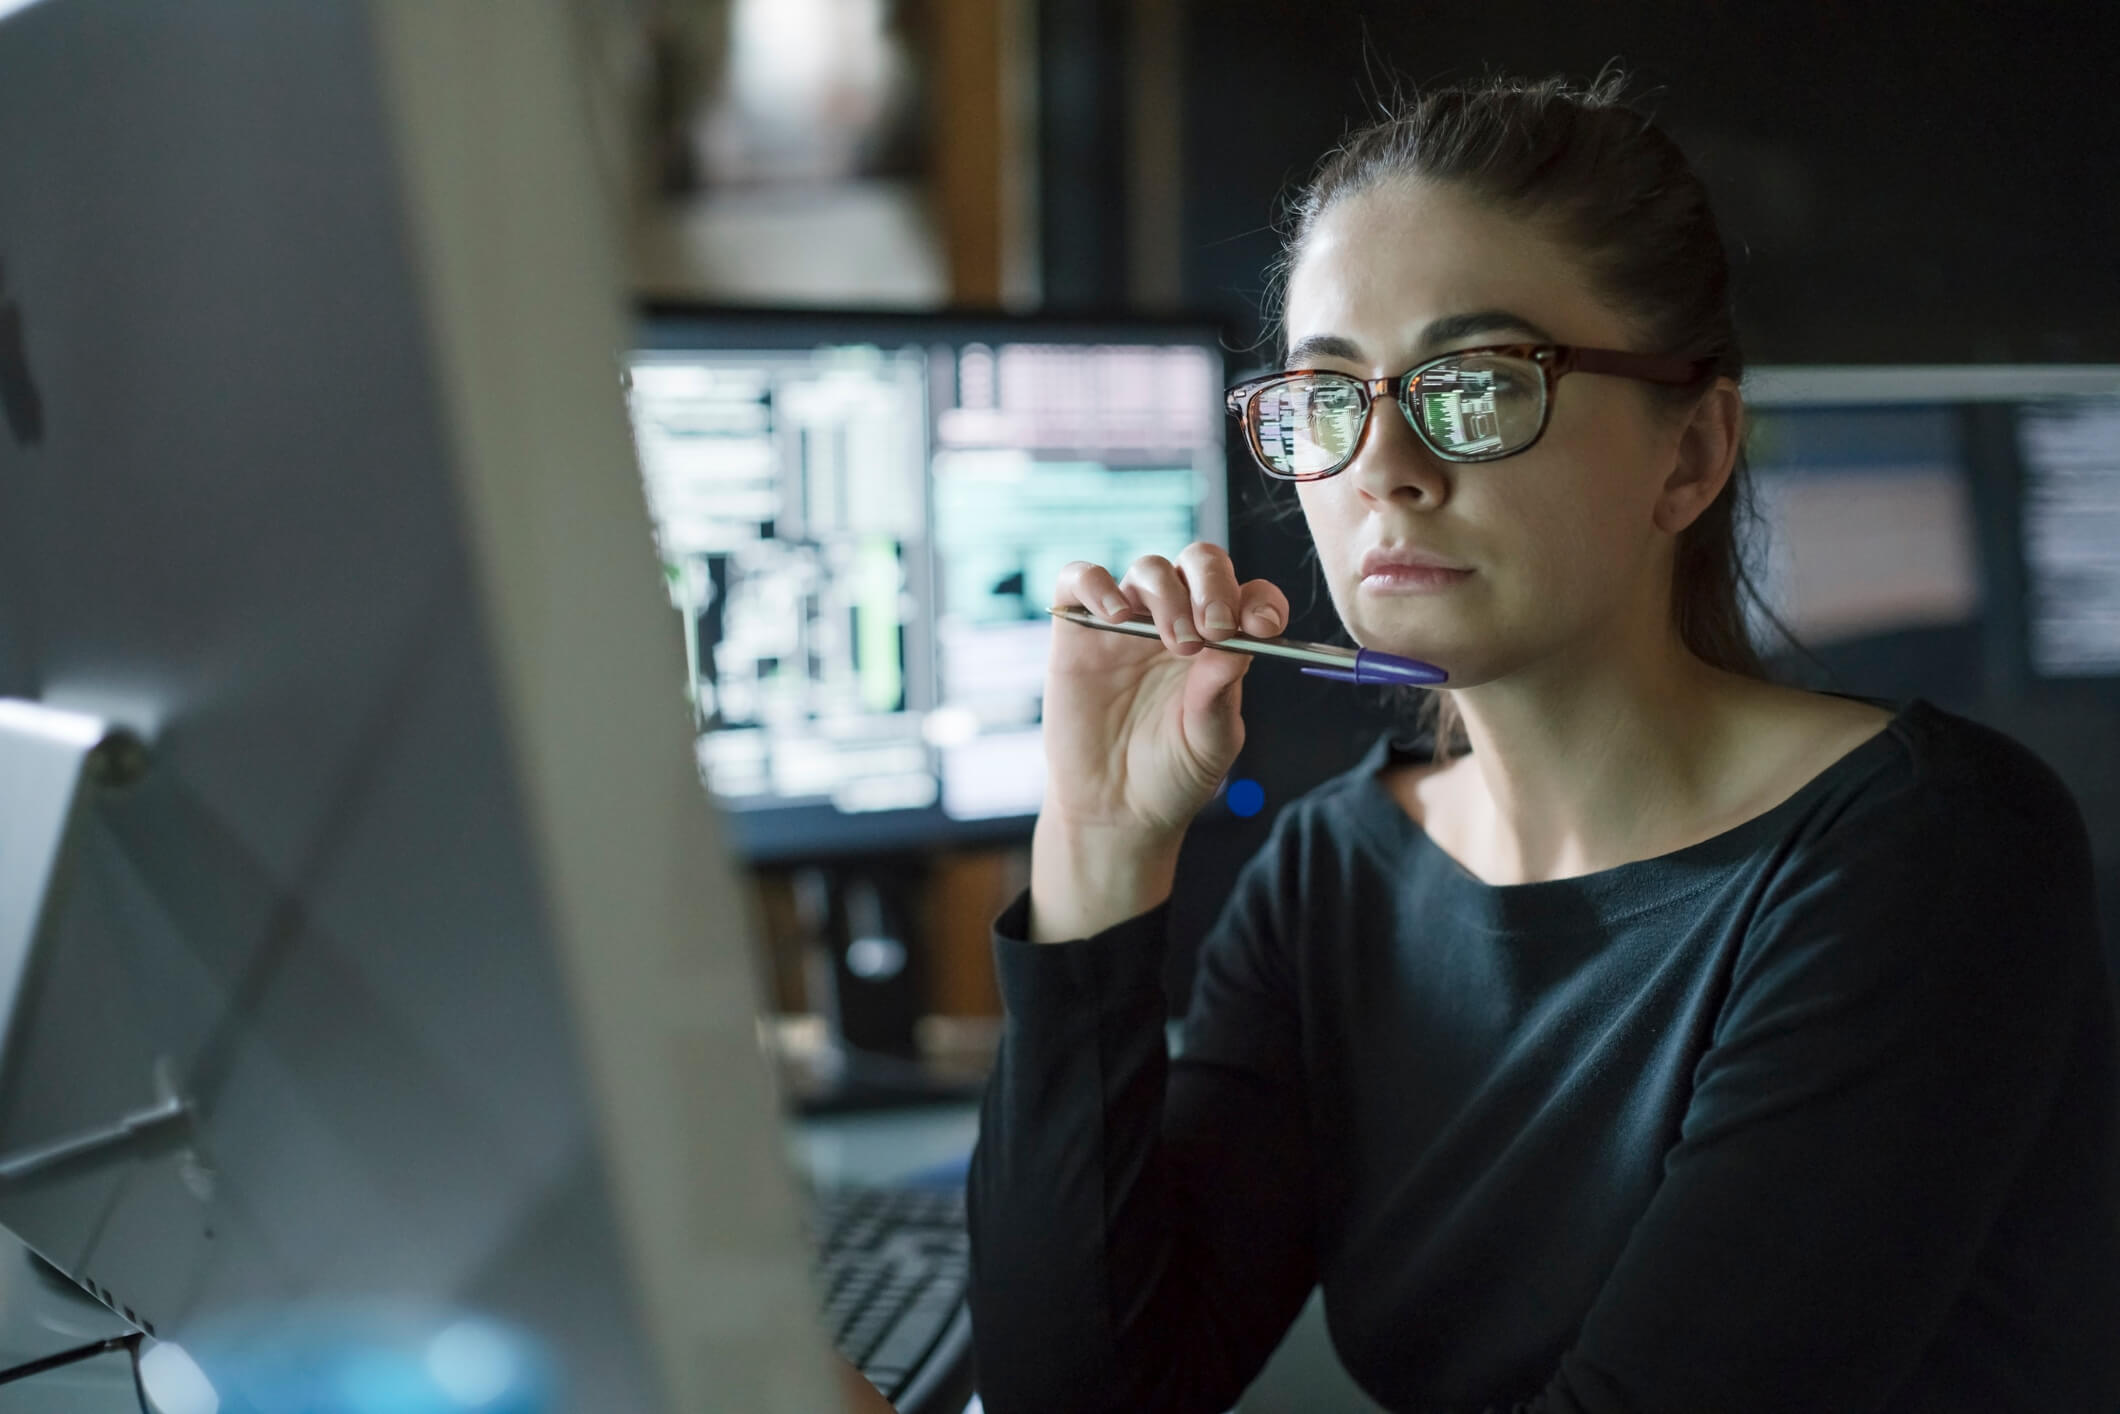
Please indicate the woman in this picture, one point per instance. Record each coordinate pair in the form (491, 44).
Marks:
(1682, 1043)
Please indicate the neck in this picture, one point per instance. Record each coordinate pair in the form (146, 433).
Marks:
(1597, 757)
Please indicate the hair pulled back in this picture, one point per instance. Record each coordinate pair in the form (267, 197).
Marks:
(1600, 178)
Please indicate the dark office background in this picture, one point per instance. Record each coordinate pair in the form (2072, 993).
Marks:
(1898, 183)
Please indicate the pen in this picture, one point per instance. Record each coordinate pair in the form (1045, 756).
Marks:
(1322, 660)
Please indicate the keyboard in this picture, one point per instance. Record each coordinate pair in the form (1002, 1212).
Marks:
(892, 1264)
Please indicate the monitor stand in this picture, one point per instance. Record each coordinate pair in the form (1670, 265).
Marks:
(867, 979)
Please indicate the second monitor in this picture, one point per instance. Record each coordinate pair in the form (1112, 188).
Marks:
(861, 518)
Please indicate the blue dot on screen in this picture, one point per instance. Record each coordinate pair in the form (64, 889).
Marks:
(1246, 798)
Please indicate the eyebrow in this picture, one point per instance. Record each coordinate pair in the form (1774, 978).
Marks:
(1449, 329)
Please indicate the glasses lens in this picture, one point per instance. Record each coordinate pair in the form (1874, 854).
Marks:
(1479, 406)
(1306, 425)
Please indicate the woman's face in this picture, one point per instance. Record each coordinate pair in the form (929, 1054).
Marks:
(1560, 541)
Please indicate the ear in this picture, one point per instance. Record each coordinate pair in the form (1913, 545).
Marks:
(1708, 443)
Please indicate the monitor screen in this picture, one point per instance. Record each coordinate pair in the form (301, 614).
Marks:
(1868, 522)
(861, 518)
(2069, 454)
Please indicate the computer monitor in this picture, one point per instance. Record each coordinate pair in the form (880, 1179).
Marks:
(1870, 518)
(1943, 531)
(861, 517)
(407, 972)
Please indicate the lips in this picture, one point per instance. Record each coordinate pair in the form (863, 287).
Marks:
(1388, 560)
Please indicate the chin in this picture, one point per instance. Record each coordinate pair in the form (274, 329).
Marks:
(1462, 638)
(1469, 657)
(1409, 633)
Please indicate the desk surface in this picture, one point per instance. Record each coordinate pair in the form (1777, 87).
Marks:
(883, 1146)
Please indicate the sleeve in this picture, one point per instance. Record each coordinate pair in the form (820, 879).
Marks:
(1896, 1030)
(1142, 1230)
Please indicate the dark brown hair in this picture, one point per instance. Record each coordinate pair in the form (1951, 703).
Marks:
(1602, 179)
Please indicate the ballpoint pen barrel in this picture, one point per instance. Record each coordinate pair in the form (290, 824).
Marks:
(1320, 660)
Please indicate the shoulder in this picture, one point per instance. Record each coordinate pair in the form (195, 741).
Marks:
(1946, 776)
(1935, 894)
(1940, 839)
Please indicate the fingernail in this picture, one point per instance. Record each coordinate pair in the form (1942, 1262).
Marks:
(1217, 616)
(1269, 618)
(1116, 608)
(1183, 632)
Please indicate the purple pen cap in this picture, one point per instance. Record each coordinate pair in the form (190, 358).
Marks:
(1374, 669)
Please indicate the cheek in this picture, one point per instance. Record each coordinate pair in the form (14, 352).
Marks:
(1555, 523)
(1585, 527)
(1332, 516)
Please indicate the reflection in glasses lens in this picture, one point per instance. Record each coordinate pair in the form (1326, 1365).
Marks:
(1478, 407)
(1457, 410)
(1307, 424)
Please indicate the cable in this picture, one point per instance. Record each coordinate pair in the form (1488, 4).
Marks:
(130, 1344)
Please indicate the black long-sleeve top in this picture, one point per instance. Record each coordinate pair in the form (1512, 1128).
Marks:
(1817, 1114)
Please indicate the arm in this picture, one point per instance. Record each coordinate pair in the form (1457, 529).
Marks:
(1141, 1238)
(1899, 1025)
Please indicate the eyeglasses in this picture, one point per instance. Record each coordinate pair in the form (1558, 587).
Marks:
(1471, 405)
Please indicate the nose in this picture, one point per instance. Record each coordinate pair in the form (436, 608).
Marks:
(1392, 464)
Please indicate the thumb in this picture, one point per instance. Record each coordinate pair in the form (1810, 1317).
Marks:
(1212, 705)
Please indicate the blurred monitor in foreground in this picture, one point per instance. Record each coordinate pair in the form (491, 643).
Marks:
(861, 518)
(376, 1000)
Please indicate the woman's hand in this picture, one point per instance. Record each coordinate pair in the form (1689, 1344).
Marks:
(1138, 733)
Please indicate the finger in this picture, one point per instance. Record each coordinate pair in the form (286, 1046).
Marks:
(1155, 584)
(1213, 579)
(1265, 609)
(1091, 587)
